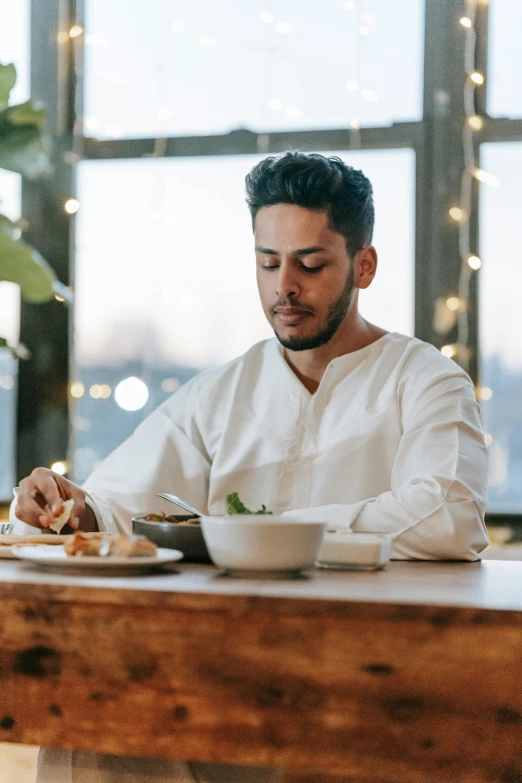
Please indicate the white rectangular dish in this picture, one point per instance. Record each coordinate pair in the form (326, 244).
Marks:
(354, 551)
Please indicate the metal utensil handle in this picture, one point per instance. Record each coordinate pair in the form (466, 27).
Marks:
(179, 502)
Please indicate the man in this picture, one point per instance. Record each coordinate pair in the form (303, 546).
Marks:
(336, 420)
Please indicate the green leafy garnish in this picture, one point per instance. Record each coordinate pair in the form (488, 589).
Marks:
(236, 506)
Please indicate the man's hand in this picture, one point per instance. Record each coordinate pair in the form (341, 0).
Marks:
(46, 488)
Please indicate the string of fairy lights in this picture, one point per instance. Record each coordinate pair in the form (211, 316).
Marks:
(454, 310)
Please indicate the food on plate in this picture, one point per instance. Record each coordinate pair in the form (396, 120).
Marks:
(103, 545)
(60, 521)
(87, 545)
(171, 518)
(132, 546)
(235, 506)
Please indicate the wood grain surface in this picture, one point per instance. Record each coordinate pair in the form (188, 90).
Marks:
(340, 673)
(316, 776)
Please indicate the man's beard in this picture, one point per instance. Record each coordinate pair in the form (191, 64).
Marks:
(335, 317)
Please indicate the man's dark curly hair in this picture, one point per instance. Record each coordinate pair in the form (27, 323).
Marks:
(320, 183)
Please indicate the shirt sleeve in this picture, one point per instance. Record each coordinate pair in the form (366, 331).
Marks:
(20, 528)
(165, 454)
(436, 504)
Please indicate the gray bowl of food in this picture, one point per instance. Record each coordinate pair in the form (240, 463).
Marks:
(174, 531)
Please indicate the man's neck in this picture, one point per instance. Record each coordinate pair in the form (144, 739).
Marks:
(309, 366)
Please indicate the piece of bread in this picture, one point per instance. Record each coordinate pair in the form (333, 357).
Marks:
(60, 521)
(132, 546)
(87, 545)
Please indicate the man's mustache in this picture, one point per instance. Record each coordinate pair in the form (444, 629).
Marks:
(285, 302)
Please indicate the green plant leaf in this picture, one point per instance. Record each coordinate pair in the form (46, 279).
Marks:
(7, 82)
(28, 113)
(24, 147)
(22, 264)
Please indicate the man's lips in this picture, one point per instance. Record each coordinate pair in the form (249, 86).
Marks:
(290, 316)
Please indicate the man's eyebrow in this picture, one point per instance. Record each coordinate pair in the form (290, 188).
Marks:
(307, 251)
(266, 251)
(304, 251)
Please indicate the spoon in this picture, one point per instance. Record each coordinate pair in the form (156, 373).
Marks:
(179, 502)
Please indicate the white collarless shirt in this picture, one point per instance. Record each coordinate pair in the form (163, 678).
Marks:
(391, 441)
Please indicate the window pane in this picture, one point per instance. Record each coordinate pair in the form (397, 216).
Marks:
(501, 323)
(14, 47)
(505, 59)
(166, 282)
(205, 67)
(14, 44)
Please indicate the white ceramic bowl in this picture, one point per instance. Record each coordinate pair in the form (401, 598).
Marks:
(262, 543)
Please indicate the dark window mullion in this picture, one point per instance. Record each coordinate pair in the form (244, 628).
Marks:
(245, 142)
(42, 418)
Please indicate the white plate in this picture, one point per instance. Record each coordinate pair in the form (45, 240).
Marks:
(7, 542)
(54, 557)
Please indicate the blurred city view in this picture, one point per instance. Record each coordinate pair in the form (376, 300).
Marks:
(100, 423)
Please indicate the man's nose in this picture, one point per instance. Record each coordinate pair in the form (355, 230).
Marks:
(287, 281)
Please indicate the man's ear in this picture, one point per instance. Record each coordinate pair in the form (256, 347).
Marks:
(365, 266)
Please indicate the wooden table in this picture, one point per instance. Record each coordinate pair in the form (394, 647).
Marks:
(413, 674)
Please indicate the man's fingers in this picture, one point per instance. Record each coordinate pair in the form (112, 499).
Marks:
(49, 489)
(78, 509)
(62, 490)
(40, 500)
(30, 498)
(28, 511)
(42, 495)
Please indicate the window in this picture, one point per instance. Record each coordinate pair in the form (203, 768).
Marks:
(501, 324)
(14, 44)
(179, 80)
(505, 59)
(14, 47)
(189, 68)
(166, 282)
